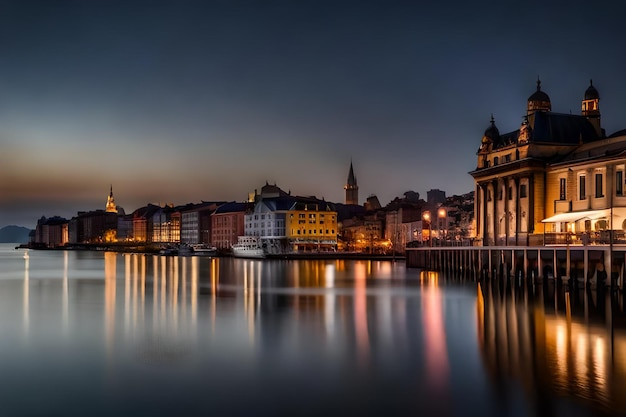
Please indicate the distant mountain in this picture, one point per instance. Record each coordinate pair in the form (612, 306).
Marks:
(14, 234)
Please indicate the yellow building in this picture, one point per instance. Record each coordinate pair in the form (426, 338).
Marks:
(284, 223)
(558, 172)
(312, 225)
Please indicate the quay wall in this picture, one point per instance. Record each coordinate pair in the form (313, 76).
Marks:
(589, 265)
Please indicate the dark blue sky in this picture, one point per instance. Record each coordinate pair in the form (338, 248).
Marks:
(187, 101)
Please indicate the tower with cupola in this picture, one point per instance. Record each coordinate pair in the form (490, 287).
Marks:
(591, 107)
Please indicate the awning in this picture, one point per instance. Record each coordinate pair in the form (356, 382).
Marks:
(578, 215)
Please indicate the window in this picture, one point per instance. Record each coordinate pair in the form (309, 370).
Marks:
(619, 183)
(562, 189)
(599, 192)
(522, 191)
(581, 188)
(495, 160)
(488, 195)
(499, 193)
(507, 157)
(510, 193)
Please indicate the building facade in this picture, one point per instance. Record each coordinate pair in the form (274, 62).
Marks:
(557, 173)
(287, 224)
(227, 224)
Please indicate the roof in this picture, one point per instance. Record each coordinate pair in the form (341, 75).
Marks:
(232, 207)
(549, 127)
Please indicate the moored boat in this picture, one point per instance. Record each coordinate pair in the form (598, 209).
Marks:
(202, 249)
(248, 247)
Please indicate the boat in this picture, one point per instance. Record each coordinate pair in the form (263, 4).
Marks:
(169, 251)
(202, 249)
(248, 247)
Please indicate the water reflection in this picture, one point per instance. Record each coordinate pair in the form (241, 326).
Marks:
(556, 342)
(352, 337)
(437, 364)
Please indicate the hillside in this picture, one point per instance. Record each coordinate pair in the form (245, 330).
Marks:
(14, 234)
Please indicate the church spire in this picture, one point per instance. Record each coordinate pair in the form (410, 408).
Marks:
(352, 189)
(111, 207)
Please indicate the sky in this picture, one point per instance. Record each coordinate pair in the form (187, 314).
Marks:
(183, 101)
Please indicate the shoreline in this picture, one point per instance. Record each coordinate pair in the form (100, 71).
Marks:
(154, 250)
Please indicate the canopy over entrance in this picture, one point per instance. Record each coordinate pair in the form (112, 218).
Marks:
(578, 215)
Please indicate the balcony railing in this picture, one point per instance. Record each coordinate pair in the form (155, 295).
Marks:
(601, 237)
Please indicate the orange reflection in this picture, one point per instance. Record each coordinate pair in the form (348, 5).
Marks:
(110, 283)
(575, 357)
(360, 311)
(437, 364)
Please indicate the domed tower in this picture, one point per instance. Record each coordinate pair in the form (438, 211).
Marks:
(591, 107)
(111, 207)
(352, 189)
(491, 137)
(538, 101)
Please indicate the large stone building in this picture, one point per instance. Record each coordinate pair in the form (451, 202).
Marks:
(557, 178)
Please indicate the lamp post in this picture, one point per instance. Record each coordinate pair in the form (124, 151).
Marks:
(441, 214)
(426, 218)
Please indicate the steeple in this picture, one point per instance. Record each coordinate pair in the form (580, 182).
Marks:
(352, 189)
(111, 207)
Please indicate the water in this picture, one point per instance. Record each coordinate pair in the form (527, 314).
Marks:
(93, 333)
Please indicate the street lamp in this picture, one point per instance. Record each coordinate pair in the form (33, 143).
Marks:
(426, 220)
(441, 214)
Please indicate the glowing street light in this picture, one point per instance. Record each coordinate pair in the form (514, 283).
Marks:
(441, 214)
(426, 219)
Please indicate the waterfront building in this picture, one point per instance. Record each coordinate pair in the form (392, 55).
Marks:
(195, 223)
(124, 228)
(403, 224)
(364, 233)
(93, 227)
(51, 232)
(285, 223)
(557, 173)
(227, 223)
(142, 223)
(352, 188)
(166, 225)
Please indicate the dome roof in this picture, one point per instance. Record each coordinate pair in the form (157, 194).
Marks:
(591, 93)
(539, 95)
(492, 133)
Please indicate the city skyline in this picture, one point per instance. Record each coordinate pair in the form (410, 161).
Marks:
(180, 102)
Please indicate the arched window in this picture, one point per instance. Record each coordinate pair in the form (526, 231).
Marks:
(600, 225)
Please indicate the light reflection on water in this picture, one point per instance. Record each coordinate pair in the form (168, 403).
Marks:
(150, 335)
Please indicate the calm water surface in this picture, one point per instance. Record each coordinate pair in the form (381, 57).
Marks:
(93, 333)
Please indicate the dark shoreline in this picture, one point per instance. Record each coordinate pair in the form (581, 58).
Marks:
(154, 250)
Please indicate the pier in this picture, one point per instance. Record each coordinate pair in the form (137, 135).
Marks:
(585, 265)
